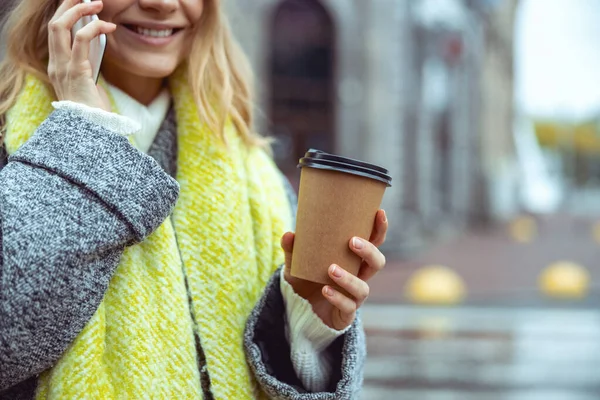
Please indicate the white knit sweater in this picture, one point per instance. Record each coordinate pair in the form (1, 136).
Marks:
(307, 334)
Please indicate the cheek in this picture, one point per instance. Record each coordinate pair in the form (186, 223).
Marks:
(112, 8)
(106, 14)
(193, 9)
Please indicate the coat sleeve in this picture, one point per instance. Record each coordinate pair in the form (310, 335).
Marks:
(71, 199)
(268, 353)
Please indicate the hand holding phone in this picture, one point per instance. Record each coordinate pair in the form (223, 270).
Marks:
(75, 47)
(97, 45)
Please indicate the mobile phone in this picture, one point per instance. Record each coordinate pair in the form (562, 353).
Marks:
(97, 45)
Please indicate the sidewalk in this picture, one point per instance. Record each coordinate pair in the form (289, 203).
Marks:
(481, 353)
(496, 269)
(506, 341)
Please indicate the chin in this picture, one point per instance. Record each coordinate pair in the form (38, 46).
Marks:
(153, 69)
(144, 65)
(153, 72)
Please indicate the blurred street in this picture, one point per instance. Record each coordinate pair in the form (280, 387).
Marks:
(472, 353)
(507, 341)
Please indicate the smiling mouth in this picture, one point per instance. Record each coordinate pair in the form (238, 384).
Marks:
(156, 33)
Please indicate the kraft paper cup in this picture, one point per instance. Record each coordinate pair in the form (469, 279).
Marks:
(338, 199)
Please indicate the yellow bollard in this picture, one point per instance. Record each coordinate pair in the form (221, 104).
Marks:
(523, 229)
(564, 280)
(435, 284)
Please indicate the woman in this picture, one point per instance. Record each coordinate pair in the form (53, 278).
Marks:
(140, 252)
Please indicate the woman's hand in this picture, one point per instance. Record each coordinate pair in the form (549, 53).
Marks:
(336, 309)
(69, 68)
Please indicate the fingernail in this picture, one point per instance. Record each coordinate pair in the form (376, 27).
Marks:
(357, 243)
(328, 291)
(384, 216)
(336, 271)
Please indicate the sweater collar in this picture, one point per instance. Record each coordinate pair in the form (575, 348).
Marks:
(149, 117)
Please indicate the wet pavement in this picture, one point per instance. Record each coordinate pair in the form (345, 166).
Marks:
(472, 353)
(506, 341)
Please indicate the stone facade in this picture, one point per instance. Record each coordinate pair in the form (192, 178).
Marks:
(420, 88)
(372, 39)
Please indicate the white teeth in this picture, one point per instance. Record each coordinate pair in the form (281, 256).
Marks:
(153, 32)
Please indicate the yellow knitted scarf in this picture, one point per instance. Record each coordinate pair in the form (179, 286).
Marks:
(229, 218)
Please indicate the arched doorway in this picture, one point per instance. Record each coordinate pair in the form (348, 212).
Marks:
(301, 81)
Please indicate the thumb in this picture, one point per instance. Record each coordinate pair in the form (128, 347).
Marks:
(287, 244)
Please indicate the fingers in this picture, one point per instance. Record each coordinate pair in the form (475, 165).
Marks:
(287, 244)
(67, 18)
(374, 260)
(380, 228)
(64, 6)
(81, 44)
(59, 31)
(356, 287)
(345, 307)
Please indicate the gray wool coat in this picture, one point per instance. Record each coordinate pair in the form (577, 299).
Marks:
(71, 199)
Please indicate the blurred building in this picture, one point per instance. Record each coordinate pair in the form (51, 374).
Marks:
(394, 82)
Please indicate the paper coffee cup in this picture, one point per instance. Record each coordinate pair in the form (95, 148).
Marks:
(338, 199)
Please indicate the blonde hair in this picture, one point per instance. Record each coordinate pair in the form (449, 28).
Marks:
(218, 70)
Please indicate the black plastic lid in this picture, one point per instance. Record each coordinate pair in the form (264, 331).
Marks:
(321, 160)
